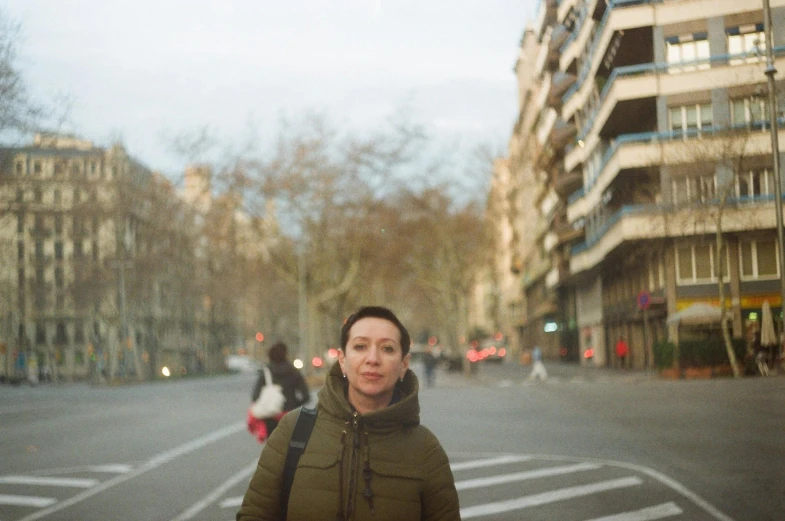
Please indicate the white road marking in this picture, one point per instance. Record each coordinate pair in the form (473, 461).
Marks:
(215, 494)
(521, 476)
(155, 461)
(490, 462)
(118, 468)
(231, 502)
(26, 501)
(548, 497)
(48, 482)
(645, 514)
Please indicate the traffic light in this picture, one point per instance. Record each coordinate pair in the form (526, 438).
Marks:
(259, 337)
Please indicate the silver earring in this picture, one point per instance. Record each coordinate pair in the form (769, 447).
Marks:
(344, 375)
(402, 379)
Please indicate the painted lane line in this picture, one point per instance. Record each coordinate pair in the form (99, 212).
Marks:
(26, 501)
(218, 492)
(548, 497)
(118, 468)
(647, 514)
(489, 462)
(48, 482)
(231, 502)
(153, 463)
(522, 476)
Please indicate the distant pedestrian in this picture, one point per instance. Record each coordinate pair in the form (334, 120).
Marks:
(538, 368)
(430, 360)
(622, 350)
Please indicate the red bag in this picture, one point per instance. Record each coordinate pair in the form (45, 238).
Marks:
(256, 427)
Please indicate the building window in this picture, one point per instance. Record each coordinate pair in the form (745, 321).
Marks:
(20, 251)
(39, 250)
(755, 183)
(40, 333)
(38, 195)
(746, 43)
(694, 189)
(59, 250)
(758, 259)
(58, 224)
(37, 168)
(751, 111)
(687, 53)
(78, 249)
(689, 119)
(695, 264)
(19, 167)
(59, 277)
(20, 223)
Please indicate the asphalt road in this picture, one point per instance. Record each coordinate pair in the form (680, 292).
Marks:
(586, 445)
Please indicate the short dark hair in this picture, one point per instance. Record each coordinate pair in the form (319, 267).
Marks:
(277, 352)
(375, 312)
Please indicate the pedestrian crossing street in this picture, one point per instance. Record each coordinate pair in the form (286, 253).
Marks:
(490, 487)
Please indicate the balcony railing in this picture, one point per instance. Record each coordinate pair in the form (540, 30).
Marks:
(653, 137)
(647, 68)
(597, 235)
(613, 4)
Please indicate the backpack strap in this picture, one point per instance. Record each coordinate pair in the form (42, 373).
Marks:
(302, 431)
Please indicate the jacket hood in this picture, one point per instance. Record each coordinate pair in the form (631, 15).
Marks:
(333, 399)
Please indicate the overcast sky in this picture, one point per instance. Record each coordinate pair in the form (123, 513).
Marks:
(146, 70)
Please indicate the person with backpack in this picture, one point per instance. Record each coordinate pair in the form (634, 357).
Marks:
(293, 385)
(367, 456)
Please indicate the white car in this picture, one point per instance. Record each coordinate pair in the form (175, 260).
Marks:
(241, 364)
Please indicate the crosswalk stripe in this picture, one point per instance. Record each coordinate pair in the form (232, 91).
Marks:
(231, 502)
(26, 501)
(645, 514)
(490, 462)
(547, 497)
(48, 481)
(521, 476)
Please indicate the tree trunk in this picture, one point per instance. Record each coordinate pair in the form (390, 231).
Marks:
(723, 307)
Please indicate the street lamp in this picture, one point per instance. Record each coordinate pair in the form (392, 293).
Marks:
(775, 148)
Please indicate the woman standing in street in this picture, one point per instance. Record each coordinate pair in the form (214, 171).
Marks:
(368, 457)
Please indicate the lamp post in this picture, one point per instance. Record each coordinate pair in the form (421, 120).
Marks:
(771, 70)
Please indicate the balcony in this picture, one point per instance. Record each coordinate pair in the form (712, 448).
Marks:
(562, 133)
(566, 183)
(638, 82)
(646, 222)
(560, 83)
(643, 150)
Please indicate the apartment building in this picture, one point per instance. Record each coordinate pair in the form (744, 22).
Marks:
(653, 141)
(83, 286)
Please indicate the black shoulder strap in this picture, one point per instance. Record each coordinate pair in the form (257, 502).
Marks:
(302, 431)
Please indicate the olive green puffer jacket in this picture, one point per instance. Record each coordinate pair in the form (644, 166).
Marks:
(381, 466)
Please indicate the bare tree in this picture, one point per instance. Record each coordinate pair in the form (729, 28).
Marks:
(713, 167)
